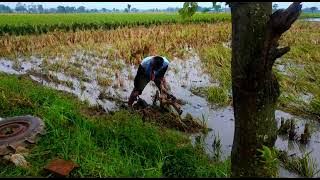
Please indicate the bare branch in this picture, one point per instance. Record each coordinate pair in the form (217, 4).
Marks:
(275, 53)
(281, 20)
(281, 51)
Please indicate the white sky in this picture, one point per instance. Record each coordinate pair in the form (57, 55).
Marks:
(138, 5)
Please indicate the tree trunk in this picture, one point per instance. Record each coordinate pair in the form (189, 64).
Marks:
(255, 35)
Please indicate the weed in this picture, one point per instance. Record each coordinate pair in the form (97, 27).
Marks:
(216, 145)
(304, 166)
(270, 160)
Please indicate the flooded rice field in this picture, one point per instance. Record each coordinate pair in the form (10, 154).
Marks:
(182, 76)
(313, 19)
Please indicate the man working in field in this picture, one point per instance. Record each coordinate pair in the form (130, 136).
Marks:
(152, 68)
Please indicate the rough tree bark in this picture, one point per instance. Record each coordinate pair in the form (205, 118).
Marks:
(255, 35)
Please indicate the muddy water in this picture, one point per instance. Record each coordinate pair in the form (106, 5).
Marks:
(181, 76)
(222, 122)
(313, 19)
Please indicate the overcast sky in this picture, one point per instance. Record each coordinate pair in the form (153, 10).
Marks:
(138, 5)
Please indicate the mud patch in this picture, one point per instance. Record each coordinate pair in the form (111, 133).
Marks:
(306, 97)
(287, 69)
(171, 120)
(312, 19)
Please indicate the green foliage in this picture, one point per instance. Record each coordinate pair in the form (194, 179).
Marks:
(21, 24)
(180, 164)
(188, 10)
(270, 160)
(315, 105)
(217, 60)
(218, 95)
(275, 7)
(206, 10)
(304, 166)
(216, 6)
(309, 15)
(216, 145)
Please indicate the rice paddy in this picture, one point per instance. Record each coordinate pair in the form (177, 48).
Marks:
(97, 62)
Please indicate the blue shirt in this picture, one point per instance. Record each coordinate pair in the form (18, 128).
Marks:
(146, 64)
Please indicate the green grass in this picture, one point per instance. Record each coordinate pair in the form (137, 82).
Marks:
(304, 166)
(315, 105)
(309, 15)
(303, 73)
(270, 161)
(218, 95)
(118, 145)
(20, 24)
(217, 62)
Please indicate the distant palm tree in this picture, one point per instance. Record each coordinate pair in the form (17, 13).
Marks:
(216, 6)
(275, 6)
(313, 9)
(188, 10)
(129, 6)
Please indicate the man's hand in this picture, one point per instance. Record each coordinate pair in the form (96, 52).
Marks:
(133, 97)
(164, 89)
(163, 85)
(172, 97)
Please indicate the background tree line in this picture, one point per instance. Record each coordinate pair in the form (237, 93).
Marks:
(38, 8)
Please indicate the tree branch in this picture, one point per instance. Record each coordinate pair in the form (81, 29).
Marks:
(275, 53)
(280, 21)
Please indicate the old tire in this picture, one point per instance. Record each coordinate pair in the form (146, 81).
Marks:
(19, 131)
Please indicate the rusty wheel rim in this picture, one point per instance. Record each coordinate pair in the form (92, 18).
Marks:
(11, 129)
(19, 131)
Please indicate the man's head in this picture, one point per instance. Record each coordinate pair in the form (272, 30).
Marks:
(157, 62)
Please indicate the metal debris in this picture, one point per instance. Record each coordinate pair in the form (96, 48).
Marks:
(61, 167)
(19, 132)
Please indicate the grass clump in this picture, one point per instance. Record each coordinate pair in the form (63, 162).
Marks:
(218, 95)
(217, 60)
(304, 166)
(315, 105)
(270, 160)
(104, 81)
(182, 164)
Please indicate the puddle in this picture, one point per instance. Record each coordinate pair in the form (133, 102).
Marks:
(294, 147)
(182, 76)
(306, 97)
(287, 68)
(222, 123)
(312, 19)
(7, 67)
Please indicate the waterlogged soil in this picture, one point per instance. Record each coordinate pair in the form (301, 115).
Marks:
(313, 19)
(182, 76)
(222, 122)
